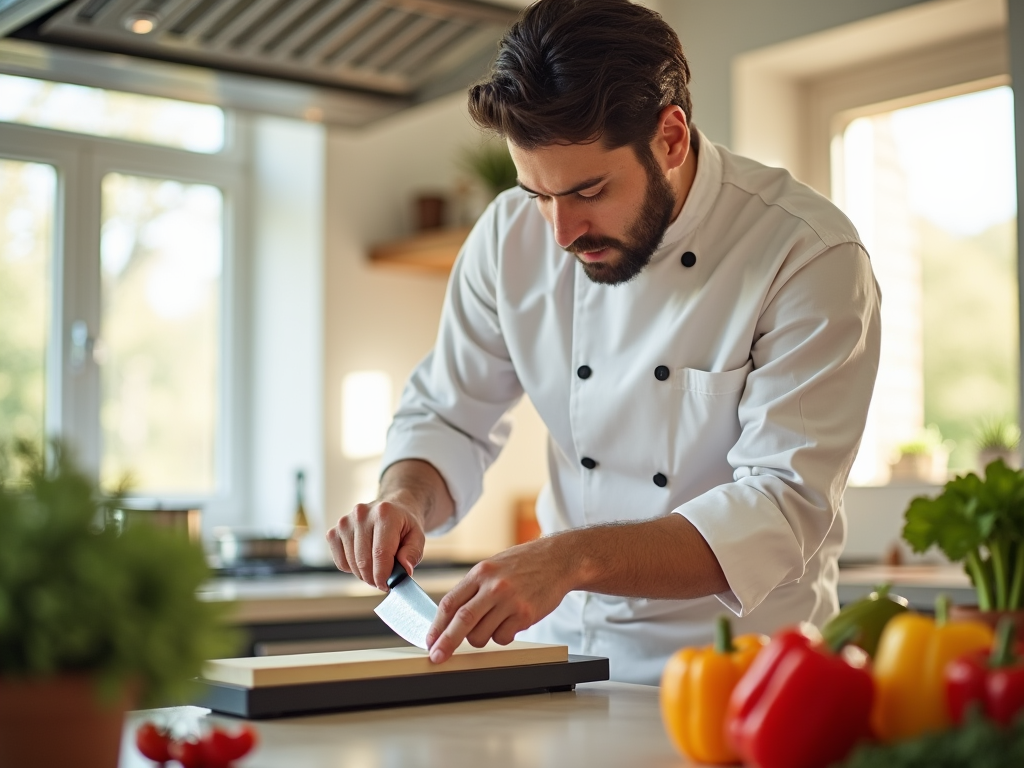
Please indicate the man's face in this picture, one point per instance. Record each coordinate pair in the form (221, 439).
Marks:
(605, 206)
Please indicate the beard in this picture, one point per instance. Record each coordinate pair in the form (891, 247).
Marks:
(644, 235)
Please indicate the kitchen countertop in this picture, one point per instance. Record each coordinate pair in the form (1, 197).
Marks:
(598, 724)
(313, 596)
(920, 584)
(332, 596)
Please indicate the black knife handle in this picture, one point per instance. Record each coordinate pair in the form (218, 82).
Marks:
(397, 574)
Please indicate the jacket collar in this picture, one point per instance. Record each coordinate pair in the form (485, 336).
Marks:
(707, 183)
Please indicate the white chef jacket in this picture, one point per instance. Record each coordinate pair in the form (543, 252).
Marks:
(771, 342)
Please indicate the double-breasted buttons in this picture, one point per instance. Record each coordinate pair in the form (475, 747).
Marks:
(660, 480)
(588, 462)
(689, 259)
(584, 371)
(661, 372)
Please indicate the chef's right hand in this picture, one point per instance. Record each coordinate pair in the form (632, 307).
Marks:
(368, 540)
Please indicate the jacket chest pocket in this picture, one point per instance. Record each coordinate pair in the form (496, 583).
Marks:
(706, 420)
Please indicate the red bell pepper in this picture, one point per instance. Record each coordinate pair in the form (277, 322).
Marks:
(800, 705)
(993, 682)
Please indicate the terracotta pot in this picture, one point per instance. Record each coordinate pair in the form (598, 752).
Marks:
(58, 722)
(973, 613)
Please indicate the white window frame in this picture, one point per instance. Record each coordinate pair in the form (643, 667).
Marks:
(73, 397)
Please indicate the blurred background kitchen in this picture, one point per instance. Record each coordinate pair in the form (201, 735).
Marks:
(226, 226)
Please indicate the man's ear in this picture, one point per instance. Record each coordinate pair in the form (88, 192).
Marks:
(671, 143)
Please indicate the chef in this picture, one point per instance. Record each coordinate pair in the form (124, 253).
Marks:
(698, 332)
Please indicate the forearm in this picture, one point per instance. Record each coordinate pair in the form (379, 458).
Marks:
(420, 484)
(664, 558)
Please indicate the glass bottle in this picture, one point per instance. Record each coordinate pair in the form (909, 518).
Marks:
(300, 524)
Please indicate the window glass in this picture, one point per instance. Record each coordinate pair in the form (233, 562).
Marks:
(161, 253)
(27, 203)
(99, 112)
(931, 188)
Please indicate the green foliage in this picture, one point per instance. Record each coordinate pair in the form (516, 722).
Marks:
(978, 743)
(980, 522)
(76, 596)
(492, 164)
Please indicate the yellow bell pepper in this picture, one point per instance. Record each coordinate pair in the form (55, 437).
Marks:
(695, 690)
(912, 655)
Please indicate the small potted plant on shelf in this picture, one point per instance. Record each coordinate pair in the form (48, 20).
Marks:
(93, 620)
(998, 439)
(923, 459)
(980, 523)
(491, 164)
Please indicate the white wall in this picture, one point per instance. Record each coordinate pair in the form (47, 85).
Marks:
(715, 33)
(286, 332)
(386, 320)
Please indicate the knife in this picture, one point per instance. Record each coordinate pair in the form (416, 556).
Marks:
(407, 609)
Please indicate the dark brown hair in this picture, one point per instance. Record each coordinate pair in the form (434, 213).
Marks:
(575, 71)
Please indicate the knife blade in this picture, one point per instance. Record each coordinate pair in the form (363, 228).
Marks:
(407, 609)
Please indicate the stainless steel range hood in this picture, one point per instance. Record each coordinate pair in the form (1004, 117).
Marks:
(387, 53)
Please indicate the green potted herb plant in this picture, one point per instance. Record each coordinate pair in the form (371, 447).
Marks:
(492, 165)
(980, 523)
(923, 459)
(998, 439)
(93, 620)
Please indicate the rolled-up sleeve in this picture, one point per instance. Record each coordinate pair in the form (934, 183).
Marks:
(801, 418)
(453, 410)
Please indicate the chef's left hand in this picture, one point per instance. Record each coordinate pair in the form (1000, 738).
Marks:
(501, 596)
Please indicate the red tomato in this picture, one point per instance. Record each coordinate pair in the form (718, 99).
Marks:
(244, 741)
(188, 753)
(153, 742)
(221, 748)
(218, 749)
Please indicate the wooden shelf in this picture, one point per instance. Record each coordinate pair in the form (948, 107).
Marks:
(433, 252)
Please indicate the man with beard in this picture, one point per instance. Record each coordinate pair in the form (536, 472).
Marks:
(703, 361)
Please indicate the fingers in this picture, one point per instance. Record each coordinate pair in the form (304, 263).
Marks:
(386, 536)
(459, 613)
(411, 550)
(367, 541)
(359, 555)
(506, 631)
(482, 633)
(337, 550)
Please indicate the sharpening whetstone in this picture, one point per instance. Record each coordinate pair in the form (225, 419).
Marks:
(403, 689)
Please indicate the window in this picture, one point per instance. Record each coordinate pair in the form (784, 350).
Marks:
(99, 112)
(27, 205)
(931, 189)
(160, 256)
(119, 222)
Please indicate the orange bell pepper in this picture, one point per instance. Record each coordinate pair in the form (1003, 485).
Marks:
(695, 690)
(910, 663)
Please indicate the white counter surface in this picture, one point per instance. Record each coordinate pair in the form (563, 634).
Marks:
(598, 724)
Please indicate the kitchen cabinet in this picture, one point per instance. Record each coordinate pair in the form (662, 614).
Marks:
(431, 252)
(598, 724)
